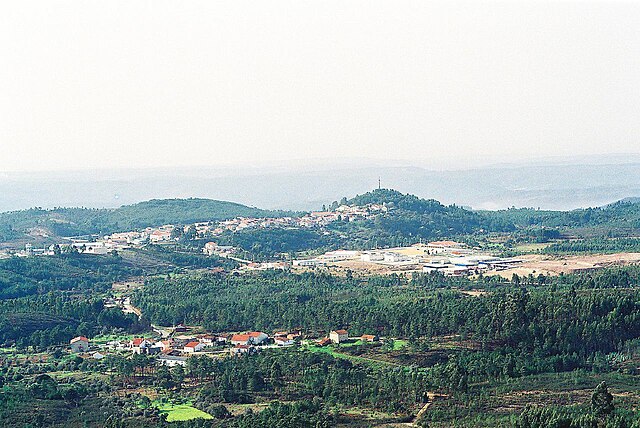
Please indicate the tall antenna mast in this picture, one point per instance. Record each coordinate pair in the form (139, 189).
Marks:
(379, 183)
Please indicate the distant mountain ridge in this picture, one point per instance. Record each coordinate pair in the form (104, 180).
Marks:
(629, 200)
(546, 185)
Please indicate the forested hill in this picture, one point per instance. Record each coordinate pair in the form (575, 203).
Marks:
(181, 211)
(80, 221)
(410, 218)
(397, 200)
(619, 217)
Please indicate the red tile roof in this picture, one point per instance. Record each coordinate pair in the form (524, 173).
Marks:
(78, 339)
(191, 344)
(324, 342)
(240, 338)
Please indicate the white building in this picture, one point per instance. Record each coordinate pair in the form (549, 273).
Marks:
(192, 347)
(283, 341)
(433, 267)
(309, 262)
(171, 361)
(339, 336)
(139, 345)
(340, 255)
(164, 345)
(392, 257)
(372, 257)
(92, 247)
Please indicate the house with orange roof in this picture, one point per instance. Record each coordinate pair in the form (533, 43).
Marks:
(250, 338)
(369, 338)
(324, 341)
(193, 347)
(139, 344)
(79, 344)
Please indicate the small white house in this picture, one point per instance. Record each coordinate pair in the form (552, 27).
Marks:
(192, 347)
(242, 349)
(339, 336)
(92, 247)
(208, 340)
(369, 338)
(283, 341)
(139, 345)
(172, 361)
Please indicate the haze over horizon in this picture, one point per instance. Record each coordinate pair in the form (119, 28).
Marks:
(448, 85)
(564, 183)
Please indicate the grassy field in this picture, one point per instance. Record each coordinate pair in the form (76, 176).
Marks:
(350, 344)
(399, 344)
(353, 358)
(531, 247)
(76, 376)
(12, 352)
(181, 412)
(366, 417)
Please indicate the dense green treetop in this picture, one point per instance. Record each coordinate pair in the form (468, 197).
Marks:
(620, 214)
(394, 199)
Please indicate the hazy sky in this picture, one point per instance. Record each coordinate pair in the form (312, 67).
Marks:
(152, 83)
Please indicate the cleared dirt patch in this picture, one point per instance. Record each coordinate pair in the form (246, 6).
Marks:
(555, 265)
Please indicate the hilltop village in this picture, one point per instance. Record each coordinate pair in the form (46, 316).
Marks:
(201, 230)
(447, 257)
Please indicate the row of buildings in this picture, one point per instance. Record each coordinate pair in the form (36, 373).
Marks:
(447, 257)
(168, 232)
(342, 336)
(176, 350)
(310, 220)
